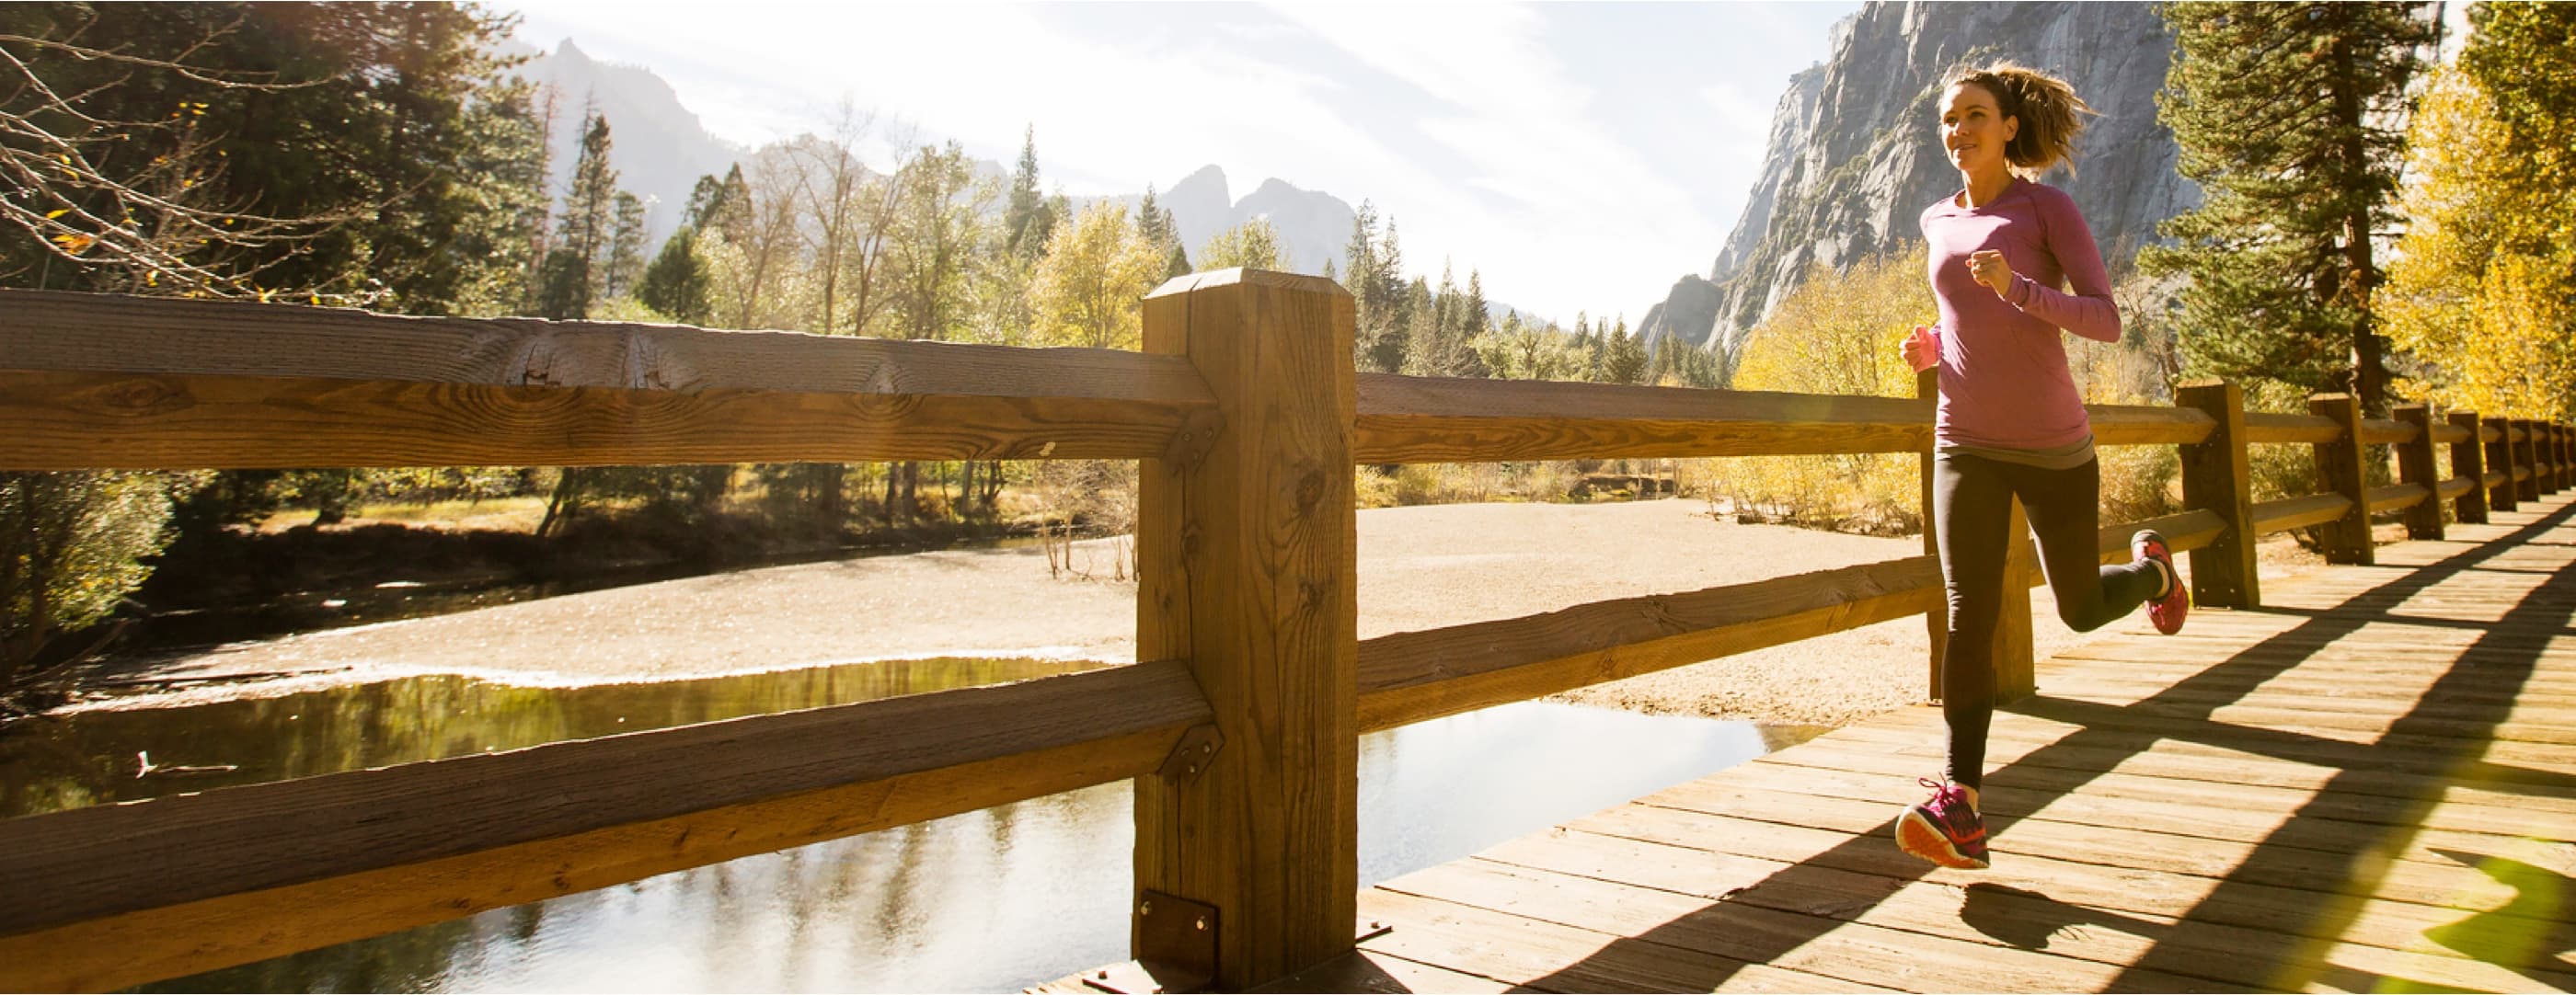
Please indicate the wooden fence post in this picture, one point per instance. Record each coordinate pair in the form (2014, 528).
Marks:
(2567, 475)
(2339, 471)
(2468, 459)
(2215, 478)
(1927, 386)
(2526, 456)
(2415, 465)
(2499, 458)
(2544, 457)
(1246, 557)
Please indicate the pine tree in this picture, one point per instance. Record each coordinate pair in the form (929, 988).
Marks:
(625, 247)
(2288, 118)
(677, 283)
(1028, 219)
(1625, 356)
(575, 267)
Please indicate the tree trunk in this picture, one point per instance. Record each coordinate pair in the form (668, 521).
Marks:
(2369, 371)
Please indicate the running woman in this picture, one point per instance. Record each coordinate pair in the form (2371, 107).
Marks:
(2010, 423)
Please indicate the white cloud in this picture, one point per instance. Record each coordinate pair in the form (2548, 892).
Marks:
(1492, 142)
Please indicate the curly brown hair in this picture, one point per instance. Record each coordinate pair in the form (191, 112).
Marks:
(2048, 109)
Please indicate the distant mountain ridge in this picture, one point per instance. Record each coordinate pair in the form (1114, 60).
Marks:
(1853, 158)
(660, 148)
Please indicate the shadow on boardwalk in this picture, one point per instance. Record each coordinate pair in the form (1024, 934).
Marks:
(2339, 844)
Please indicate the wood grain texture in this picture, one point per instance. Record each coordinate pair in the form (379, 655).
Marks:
(2265, 427)
(2502, 495)
(2469, 465)
(1409, 677)
(1259, 541)
(68, 421)
(2387, 431)
(2340, 471)
(2283, 514)
(1443, 420)
(188, 883)
(2215, 477)
(2526, 460)
(2390, 497)
(109, 381)
(2417, 460)
(2454, 432)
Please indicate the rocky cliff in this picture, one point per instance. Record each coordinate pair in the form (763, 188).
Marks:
(1854, 156)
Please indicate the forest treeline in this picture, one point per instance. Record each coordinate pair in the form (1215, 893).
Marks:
(2372, 223)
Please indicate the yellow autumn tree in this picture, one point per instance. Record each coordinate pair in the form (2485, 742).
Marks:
(2488, 325)
(1089, 288)
(1836, 334)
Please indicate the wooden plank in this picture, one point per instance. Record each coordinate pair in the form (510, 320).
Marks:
(2147, 424)
(2386, 431)
(2243, 756)
(1985, 912)
(2517, 818)
(2455, 432)
(2123, 871)
(1809, 943)
(187, 883)
(2454, 487)
(2183, 531)
(1408, 677)
(1259, 537)
(2267, 428)
(2390, 497)
(2215, 478)
(167, 421)
(1545, 956)
(1446, 420)
(108, 381)
(2283, 514)
(1375, 971)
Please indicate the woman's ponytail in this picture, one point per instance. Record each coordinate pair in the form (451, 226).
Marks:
(2048, 109)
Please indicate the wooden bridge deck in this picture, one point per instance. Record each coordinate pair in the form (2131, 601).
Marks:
(2368, 785)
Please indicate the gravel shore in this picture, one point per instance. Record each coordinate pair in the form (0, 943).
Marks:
(1420, 567)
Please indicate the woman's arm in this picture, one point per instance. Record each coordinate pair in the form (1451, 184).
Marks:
(2088, 311)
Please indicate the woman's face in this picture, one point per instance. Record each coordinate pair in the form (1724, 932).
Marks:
(1973, 131)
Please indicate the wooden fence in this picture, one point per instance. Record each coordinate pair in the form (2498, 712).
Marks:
(1239, 726)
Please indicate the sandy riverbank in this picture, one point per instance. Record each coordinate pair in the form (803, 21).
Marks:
(1420, 567)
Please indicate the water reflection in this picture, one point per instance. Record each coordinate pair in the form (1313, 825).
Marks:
(95, 758)
(985, 901)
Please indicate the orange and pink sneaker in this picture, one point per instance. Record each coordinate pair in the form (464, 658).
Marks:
(1944, 829)
(2167, 610)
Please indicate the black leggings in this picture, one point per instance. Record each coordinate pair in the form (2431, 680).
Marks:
(1970, 511)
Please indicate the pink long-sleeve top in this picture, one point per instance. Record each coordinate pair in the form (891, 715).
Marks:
(2004, 381)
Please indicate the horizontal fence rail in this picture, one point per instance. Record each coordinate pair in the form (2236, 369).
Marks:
(1248, 420)
(178, 884)
(98, 382)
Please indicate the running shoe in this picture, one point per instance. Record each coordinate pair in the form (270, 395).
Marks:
(2167, 611)
(1944, 828)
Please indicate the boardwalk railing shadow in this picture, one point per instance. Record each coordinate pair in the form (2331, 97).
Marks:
(2317, 843)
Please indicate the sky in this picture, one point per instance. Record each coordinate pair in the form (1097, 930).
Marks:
(1582, 156)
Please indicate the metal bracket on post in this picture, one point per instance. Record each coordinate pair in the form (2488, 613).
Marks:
(1191, 755)
(1175, 949)
(1197, 435)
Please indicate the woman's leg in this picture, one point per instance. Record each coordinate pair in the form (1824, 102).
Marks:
(2066, 517)
(1970, 513)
